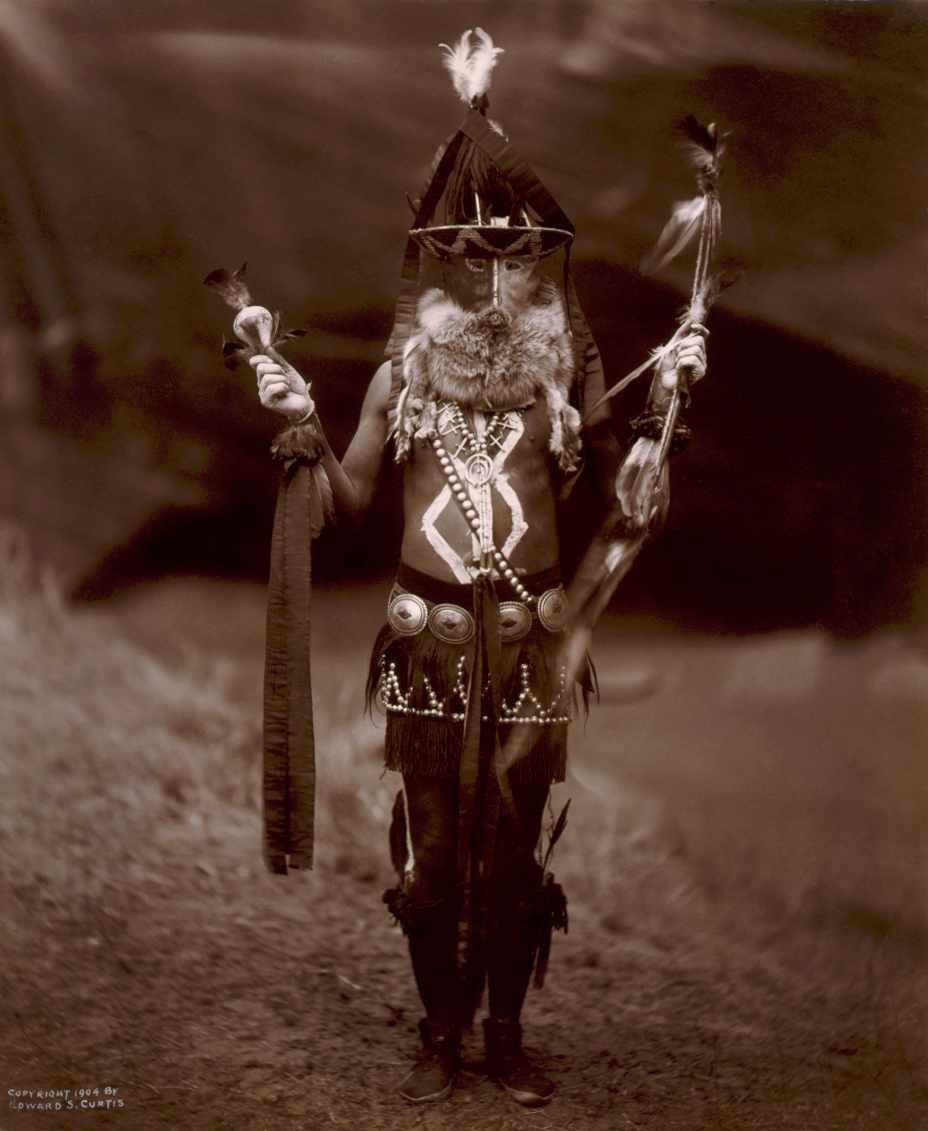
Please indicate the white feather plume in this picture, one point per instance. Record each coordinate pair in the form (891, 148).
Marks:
(471, 66)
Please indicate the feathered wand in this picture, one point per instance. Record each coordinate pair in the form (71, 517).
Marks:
(642, 484)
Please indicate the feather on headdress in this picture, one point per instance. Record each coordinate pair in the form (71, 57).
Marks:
(471, 66)
(476, 184)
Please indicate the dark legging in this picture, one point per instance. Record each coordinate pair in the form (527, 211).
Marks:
(432, 807)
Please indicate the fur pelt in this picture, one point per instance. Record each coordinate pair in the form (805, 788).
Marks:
(488, 361)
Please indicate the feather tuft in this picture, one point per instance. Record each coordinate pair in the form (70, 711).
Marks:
(704, 137)
(704, 147)
(471, 65)
(232, 289)
(456, 63)
(483, 60)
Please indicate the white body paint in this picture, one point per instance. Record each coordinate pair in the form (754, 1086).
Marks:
(511, 427)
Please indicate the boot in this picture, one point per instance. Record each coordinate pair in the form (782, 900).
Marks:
(439, 1063)
(510, 1067)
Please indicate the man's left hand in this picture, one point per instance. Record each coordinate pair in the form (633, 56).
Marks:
(687, 360)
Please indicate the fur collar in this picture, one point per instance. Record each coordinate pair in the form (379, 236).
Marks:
(488, 362)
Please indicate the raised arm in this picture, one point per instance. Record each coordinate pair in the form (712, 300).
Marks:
(283, 390)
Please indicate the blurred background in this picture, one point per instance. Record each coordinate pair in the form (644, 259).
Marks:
(144, 146)
(749, 821)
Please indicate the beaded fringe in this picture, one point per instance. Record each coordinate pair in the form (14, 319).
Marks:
(431, 746)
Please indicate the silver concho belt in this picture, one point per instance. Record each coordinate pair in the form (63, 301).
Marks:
(409, 614)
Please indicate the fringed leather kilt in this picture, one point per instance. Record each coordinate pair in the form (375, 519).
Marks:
(421, 665)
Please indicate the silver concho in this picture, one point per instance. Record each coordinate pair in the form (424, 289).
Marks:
(553, 610)
(515, 620)
(451, 623)
(407, 614)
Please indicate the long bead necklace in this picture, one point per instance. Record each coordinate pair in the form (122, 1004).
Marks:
(478, 471)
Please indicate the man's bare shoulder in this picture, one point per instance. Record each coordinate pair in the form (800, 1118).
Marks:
(377, 397)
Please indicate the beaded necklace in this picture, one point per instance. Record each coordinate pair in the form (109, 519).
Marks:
(477, 450)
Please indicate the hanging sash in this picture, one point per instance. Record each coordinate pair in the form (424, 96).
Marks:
(289, 745)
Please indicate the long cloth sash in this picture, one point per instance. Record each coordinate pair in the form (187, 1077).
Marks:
(289, 745)
(478, 801)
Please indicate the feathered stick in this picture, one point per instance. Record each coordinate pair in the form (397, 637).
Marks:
(705, 149)
(642, 482)
(559, 825)
(702, 215)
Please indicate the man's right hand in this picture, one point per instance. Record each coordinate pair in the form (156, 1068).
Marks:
(281, 388)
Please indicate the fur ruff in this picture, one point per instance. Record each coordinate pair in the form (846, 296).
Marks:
(491, 363)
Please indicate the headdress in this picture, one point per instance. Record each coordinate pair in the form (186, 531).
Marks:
(492, 205)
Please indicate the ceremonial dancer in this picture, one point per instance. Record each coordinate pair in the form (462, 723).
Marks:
(493, 401)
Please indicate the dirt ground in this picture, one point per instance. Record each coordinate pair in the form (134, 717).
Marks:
(724, 968)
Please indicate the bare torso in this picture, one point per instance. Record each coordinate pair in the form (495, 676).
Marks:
(521, 489)
(503, 463)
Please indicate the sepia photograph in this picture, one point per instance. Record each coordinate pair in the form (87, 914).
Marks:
(463, 565)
